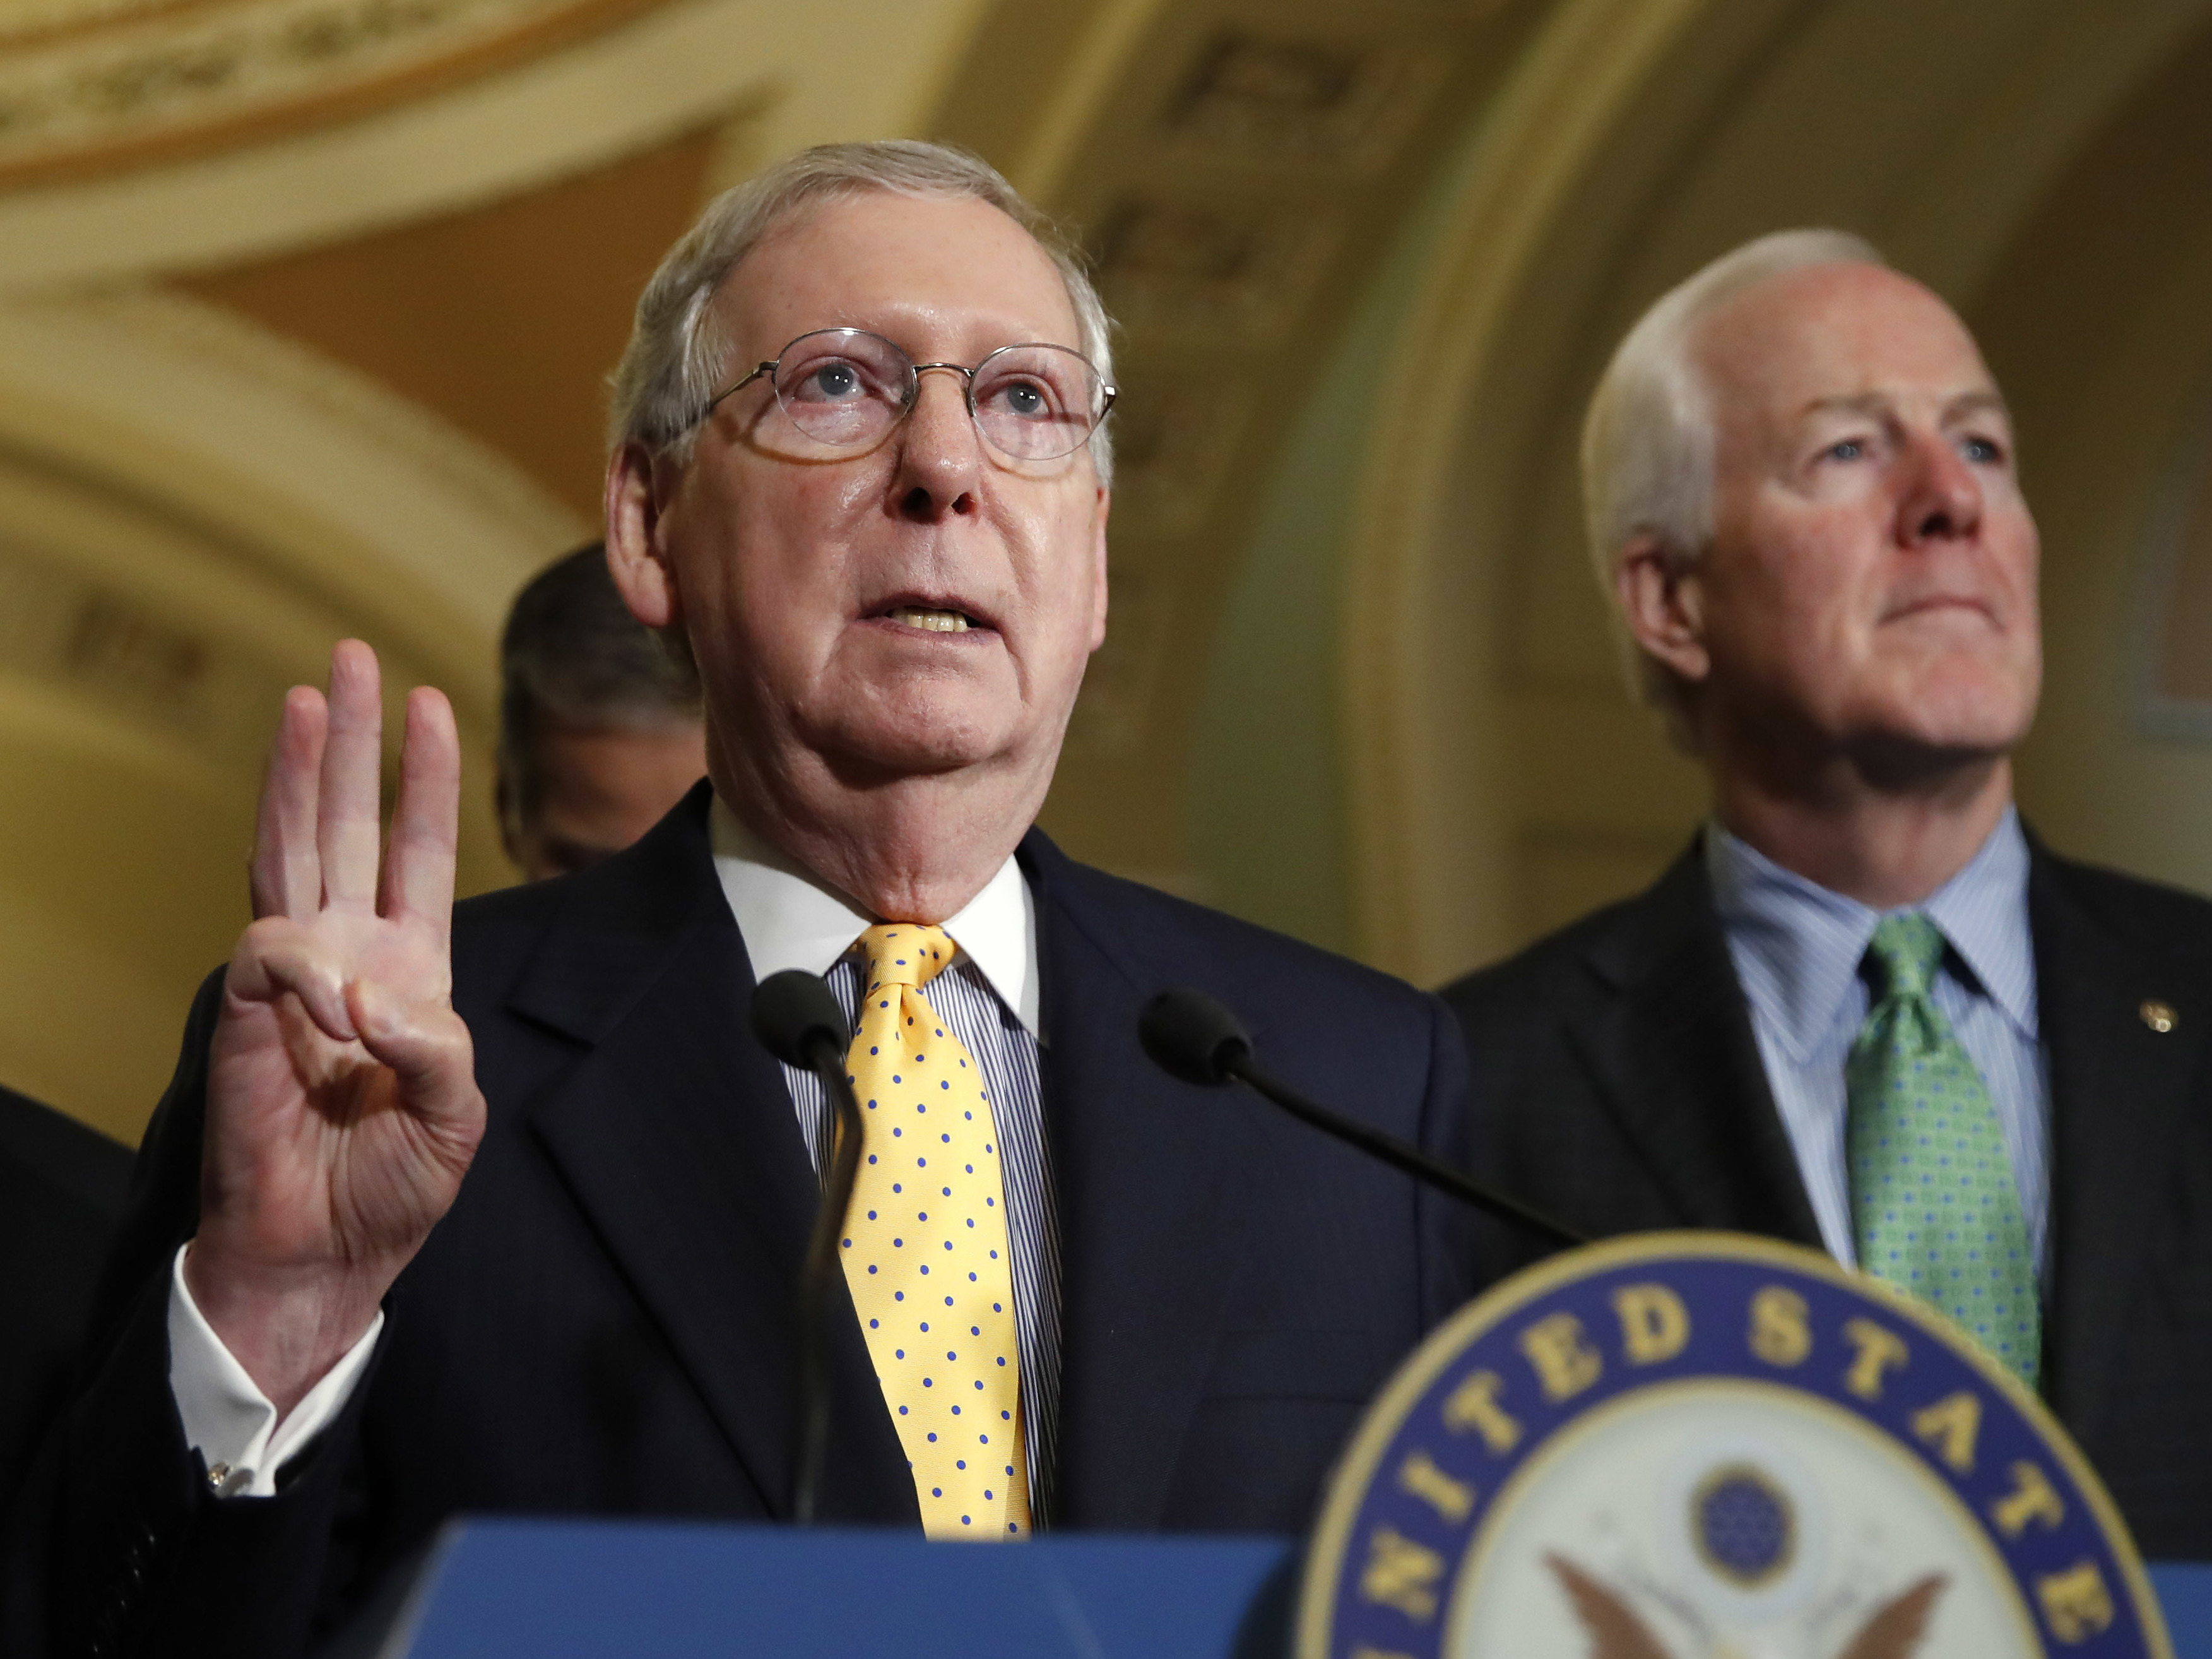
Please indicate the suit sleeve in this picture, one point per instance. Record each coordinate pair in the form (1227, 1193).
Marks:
(117, 1544)
(1450, 1249)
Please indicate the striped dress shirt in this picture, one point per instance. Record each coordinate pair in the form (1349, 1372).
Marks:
(988, 996)
(1798, 949)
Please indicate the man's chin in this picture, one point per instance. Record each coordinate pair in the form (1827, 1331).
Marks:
(880, 752)
(1962, 710)
(1921, 752)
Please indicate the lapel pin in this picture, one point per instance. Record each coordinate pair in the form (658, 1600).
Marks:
(2158, 1016)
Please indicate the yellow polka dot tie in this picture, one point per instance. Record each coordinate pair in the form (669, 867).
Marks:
(925, 1251)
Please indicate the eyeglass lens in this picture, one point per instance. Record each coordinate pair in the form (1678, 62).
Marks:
(848, 387)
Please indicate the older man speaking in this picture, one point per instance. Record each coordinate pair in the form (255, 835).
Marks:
(1868, 1010)
(524, 1234)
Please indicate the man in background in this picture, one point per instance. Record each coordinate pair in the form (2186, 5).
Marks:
(600, 729)
(1867, 1010)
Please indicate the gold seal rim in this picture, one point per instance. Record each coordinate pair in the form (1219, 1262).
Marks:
(1411, 1383)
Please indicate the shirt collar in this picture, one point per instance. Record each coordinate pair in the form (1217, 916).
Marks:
(1982, 910)
(1798, 946)
(790, 918)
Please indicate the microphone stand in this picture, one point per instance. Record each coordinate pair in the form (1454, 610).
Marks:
(1239, 1065)
(812, 1430)
(1191, 1035)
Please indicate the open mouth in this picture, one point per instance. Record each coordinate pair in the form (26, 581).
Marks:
(931, 621)
(1938, 604)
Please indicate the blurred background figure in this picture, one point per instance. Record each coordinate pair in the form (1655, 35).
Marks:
(61, 1192)
(599, 723)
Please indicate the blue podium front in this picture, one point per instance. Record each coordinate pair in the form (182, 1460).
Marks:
(558, 1589)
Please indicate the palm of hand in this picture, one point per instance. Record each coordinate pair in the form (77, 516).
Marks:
(344, 1161)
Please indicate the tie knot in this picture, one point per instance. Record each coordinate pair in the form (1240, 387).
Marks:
(1905, 950)
(906, 953)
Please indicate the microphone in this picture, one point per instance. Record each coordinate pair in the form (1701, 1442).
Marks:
(1191, 1036)
(797, 1021)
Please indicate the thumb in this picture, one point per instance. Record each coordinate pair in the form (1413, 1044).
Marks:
(429, 1051)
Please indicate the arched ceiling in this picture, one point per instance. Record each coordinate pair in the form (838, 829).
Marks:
(464, 127)
(1238, 171)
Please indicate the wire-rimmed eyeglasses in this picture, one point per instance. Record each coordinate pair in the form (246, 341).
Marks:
(847, 388)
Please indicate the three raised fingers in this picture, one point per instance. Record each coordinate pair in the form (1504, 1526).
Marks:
(317, 836)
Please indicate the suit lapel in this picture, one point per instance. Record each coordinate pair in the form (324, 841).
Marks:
(677, 1135)
(2117, 1090)
(1142, 1305)
(1673, 1055)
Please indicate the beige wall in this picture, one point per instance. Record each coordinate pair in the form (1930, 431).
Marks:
(2096, 320)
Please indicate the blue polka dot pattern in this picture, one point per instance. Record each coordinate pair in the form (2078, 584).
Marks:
(1934, 1203)
(901, 1071)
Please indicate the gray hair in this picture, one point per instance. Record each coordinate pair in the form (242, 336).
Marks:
(1647, 457)
(675, 358)
(572, 653)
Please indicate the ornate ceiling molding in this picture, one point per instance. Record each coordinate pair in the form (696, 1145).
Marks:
(157, 82)
(191, 510)
(651, 70)
(1532, 151)
(327, 492)
(1237, 169)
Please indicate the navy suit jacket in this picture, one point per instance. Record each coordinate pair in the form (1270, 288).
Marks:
(1621, 1089)
(61, 1194)
(603, 1323)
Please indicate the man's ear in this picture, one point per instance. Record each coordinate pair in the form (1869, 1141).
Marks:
(1098, 569)
(634, 556)
(1662, 599)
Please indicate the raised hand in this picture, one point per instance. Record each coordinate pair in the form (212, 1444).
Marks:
(342, 1109)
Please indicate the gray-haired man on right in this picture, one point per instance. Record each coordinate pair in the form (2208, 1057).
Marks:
(1867, 1010)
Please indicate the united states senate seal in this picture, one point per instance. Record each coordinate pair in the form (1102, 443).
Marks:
(1706, 1446)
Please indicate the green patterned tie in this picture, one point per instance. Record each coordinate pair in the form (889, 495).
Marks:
(1933, 1205)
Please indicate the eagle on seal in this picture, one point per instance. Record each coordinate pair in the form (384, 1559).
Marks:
(1893, 1630)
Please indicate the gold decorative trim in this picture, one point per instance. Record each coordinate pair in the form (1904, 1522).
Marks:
(33, 25)
(1549, 120)
(204, 77)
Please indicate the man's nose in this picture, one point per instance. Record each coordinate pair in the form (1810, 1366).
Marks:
(1942, 495)
(940, 451)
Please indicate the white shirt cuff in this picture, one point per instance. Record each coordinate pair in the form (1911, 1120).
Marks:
(229, 1421)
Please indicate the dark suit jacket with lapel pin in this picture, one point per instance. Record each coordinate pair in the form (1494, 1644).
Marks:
(602, 1322)
(1618, 1085)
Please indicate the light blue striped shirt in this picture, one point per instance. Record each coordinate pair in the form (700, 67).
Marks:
(1798, 948)
(989, 997)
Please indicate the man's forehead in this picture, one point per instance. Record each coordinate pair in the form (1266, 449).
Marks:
(954, 267)
(1839, 337)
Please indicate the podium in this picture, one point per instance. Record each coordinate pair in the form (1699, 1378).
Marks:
(1659, 1444)
(557, 1589)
